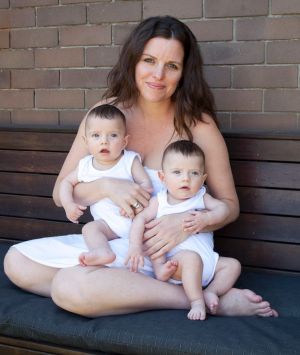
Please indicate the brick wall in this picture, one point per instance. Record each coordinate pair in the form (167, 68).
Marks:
(55, 56)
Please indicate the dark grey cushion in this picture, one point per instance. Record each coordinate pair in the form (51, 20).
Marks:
(24, 315)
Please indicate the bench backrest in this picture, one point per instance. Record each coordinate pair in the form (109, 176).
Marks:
(266, 172)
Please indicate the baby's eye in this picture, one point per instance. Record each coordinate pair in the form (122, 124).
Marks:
(176, 172)
(114, 135)
(95, 135)
(195, 173)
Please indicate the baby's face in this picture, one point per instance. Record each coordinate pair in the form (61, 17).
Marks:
(182, 175)
(106, 139)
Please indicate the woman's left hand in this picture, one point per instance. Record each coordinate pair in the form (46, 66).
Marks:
(163, 234)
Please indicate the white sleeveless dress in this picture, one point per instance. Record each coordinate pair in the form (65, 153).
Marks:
(63, 251)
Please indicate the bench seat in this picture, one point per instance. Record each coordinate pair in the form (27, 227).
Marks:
(27, 316)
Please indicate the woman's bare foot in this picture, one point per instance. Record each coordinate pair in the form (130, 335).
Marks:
(245, 302)
(164, 271)
(197, 311)
(97, 257)
(211, 301)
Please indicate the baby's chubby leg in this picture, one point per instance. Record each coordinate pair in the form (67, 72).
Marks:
(96, 235)
(189, 271)
(226, 274)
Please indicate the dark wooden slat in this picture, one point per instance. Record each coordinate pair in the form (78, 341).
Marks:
(266, 174)
(27, 184)
(263, 227)
(36, 141)
(279, 202)
(264, 149)
(33, 207)
(27, 161)
(27, 228)
(261, 254)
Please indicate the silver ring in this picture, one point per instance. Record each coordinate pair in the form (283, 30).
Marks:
(136, 205)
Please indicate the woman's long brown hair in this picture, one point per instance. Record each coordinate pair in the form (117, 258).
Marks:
(192, 97)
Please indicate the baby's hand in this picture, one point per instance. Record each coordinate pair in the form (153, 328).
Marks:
(195, 222)
(135, 258)
(75, 211)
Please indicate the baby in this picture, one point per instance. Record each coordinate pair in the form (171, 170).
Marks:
(106, 139)
(193, 262)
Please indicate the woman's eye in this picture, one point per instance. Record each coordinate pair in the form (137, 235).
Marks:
(172, 66)
(149, 60)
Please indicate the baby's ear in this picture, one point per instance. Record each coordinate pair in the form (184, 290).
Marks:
(204, 177)
(84, 139)
(126, 139)
(161, 175)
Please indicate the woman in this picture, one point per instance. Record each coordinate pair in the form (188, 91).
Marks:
(158, 84)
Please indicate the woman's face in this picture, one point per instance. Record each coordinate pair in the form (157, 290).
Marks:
(159, 69)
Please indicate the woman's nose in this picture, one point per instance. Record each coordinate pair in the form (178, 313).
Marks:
(158, 72)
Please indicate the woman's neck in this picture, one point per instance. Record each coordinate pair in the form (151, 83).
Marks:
(155, 111)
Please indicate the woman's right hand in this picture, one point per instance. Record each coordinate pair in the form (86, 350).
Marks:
(127, 194)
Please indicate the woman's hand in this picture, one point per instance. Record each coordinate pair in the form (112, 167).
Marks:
(163, 234)
(129, 196)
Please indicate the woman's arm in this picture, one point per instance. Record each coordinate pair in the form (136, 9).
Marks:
(217, 166)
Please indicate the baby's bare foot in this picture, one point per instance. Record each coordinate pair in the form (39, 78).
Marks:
(197, 311)
(211, 301)
(97, 257)
(164, 271)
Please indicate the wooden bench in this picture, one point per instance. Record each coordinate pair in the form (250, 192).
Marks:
(265, 237)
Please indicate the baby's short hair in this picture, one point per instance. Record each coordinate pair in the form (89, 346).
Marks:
(106, 111)
(186, 148)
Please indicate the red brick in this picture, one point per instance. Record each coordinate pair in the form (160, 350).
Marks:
(233, 53)
(85, 35)
(102, 56)
(285, 7)
(16, 59)
(176, 8)
(61, 15)
(16, 99)
(4, 4)
(93, 96)
(34, 117)
(39, 37)
(71, 118)
(23, 3)
(233, 8)
(5, 118)
(17, 18)
(262, 76)
(285, 52)
(4, 79)
(212, 30)
(238, 100)
(121, 32)
(86, 78)
(34, 78)
(115, 11)
(268, 28)
(59, 57)
(63, 2)
(217, 77)
(59, 99)
(4, 39)
(282, 100)
(271, 122)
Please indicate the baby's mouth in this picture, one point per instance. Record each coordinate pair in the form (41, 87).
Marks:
(105, 151)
